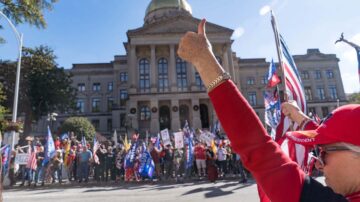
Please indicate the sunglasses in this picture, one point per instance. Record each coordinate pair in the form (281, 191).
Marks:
(322, 152)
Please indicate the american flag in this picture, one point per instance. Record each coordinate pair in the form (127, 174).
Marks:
(32, 162)
(95, 148)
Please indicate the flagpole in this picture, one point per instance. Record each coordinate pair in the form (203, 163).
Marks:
(277, 42)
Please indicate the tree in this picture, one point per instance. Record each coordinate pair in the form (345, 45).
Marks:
(44, 87)
(354, 98)
(80, 126)
(29, 11)
(2, 99)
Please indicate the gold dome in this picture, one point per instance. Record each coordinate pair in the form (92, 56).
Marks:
(160, 4)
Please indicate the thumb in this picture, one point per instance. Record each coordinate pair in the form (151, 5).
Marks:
(201, 27)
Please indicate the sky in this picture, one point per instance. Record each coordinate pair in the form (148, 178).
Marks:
(93, 31)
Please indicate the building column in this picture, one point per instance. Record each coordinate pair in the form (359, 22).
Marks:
(132, 119)
(191, 75)
(132, 69)
(231, 63)
(226, 58)
(175, 116)
(154, 122)
(153, 69)
(196, 121)
(172, 69)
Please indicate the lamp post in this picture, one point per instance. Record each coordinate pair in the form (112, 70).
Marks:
(19, 37)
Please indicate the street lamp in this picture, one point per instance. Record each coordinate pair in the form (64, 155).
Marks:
(19, 37)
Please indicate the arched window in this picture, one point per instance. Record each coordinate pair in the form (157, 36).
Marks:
(181, 75)
(144, 75)
(144, 113)
(204, 116)
(163, 83)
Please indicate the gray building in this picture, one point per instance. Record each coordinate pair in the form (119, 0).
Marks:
(151, 88)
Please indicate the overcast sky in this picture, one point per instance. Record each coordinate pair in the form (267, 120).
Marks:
(90, 31)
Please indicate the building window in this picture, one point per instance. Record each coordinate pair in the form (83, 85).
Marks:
(264, 80)
(96, 124)
(109, 125)
(80, 106)
(123, 97)
(144, 75)
(250, 80)
(110, 86)
(219, 60)
(163, 75)
(305, 75)
(123, 77)
(95, 105)
(333, 92)
(81, 87)
(325, 111)
(96, 87)
(308, 93)
(181, 74)
(317, 74)
(329, 74)
(198, 81)
(252, 98)
(321, 93)
(110, 103)
(144, 113)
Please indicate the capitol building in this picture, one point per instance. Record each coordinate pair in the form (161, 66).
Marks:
(150, 88)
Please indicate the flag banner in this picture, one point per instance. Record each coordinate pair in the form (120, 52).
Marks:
(22, 158)
(189, 157)
(67, 147)
(157, 143)
(179, 140)
(115, 139)
(358, 57)
(83, 141)
(96, 146)
(147, 165)
(32, 162)
(130, 156)
(272, 109)
(273, 78)
(6, 152)
(216, 127)
(206, 137)
(49, 148)
(213, 147)
(64, 136)
(127, 145)
(165, 136)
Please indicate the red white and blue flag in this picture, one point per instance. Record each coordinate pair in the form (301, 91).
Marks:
(96, 146)
(273, 78)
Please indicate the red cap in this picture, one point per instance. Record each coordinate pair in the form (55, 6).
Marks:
(342, 125)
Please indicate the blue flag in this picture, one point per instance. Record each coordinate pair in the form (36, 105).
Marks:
(83, 141)
(130, 156)
(49, 148)
(189, 157)
(147, 166)
(5, 152)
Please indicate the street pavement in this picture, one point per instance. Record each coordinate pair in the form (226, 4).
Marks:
(221, 191)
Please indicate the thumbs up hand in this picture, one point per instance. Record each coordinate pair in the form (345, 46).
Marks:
(195, 47)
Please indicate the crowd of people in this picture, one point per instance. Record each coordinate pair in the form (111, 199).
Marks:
(79, 162)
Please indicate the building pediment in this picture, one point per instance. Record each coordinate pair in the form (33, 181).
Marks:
(179, 24)
(315, 55)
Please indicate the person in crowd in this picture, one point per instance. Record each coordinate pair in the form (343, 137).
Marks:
(155, 155)
(57, 162)
(338, 137)
(27, 173)
(84, 161)
(119, 162)
(39, 173)
(221, 157)
(200, 158)
(71, 162)
(179, 164)
(212, 169)
(241, 170)
(100, 168)
(110, 164)
(168, 161)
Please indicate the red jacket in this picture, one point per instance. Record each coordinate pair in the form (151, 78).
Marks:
(281, 179)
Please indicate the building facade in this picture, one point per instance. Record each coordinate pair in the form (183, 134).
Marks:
(150, 88)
